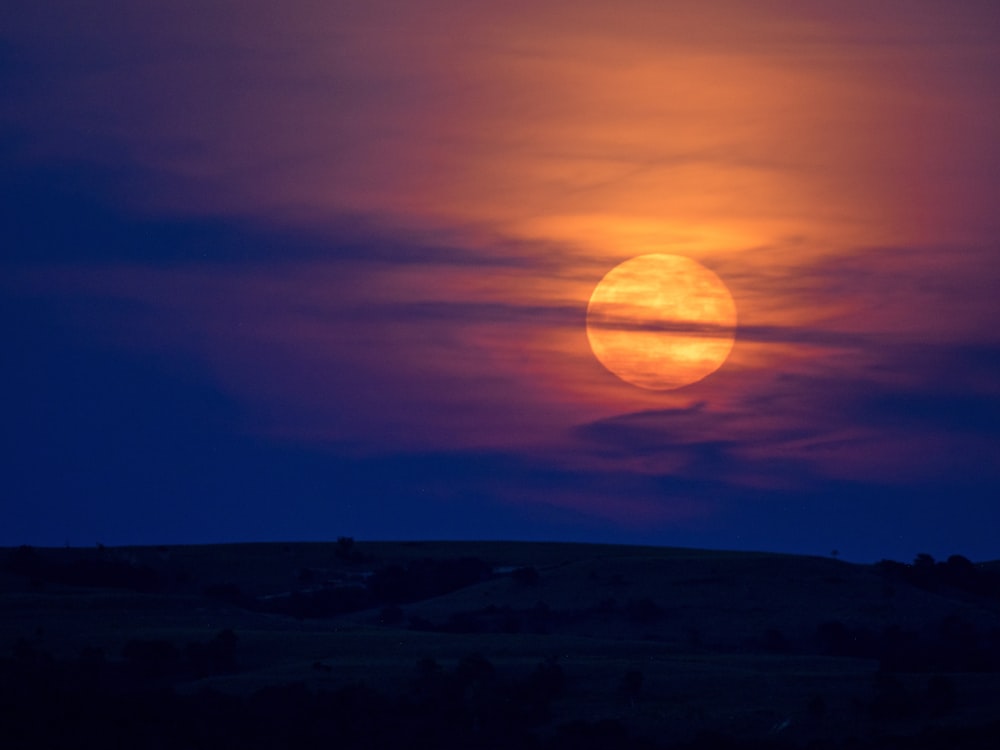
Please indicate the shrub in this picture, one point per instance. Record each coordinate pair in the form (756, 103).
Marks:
(526, 576)
(643, 611)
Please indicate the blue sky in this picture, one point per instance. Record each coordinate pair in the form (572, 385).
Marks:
(326, 272)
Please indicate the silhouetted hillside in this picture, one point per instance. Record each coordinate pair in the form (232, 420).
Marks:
(494, 645)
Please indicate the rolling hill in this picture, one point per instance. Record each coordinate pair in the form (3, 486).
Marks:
(673, 645)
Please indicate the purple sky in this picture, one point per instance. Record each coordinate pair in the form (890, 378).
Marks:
(300, 270)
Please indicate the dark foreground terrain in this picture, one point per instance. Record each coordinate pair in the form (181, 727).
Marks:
(493, 645)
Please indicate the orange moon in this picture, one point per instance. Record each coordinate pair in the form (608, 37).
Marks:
(661, 321)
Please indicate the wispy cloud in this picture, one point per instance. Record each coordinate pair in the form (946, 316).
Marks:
(372, 231)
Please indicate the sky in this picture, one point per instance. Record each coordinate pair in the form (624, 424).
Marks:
(301, 270)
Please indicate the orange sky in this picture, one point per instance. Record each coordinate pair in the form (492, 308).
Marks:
(836, 165)
(759, 140)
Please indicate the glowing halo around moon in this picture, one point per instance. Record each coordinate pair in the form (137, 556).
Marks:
(661, 321)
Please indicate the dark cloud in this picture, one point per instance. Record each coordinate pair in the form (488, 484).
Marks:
(940, 388)
(782, 430)
(954, 412)
(695, 444)
(80, 213)
(706, 330)
(810, 336)
(458, 313)
(646, 432)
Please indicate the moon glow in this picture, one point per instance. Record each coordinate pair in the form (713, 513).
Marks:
(661, 321)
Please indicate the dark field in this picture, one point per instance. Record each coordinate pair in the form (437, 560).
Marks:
(468, 644)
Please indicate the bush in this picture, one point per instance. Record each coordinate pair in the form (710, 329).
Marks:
(631, 684)
(891, 699)
(940, 695)
(391, 615)
(152, 659)
(643, 611)
(474, 668)
(347, 550)
(217, 656)
(526, 576)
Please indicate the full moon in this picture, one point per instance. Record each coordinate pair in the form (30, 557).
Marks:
(661, 321)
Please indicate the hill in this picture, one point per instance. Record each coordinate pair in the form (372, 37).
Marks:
(662, 643)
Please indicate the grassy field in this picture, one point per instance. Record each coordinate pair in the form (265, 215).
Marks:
(725, 641)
